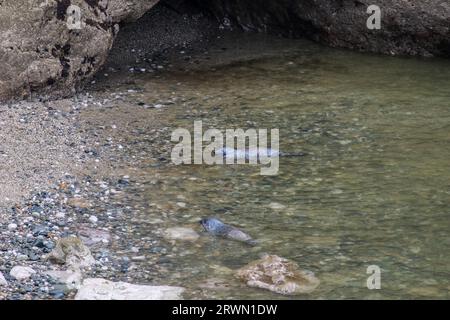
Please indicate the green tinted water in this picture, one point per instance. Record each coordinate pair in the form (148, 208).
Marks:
(373, 190)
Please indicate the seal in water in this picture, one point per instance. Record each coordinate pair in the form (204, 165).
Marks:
(218, 228)
(255, 153)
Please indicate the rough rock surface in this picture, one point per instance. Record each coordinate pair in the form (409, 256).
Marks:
(47, 48)
(72, 252)
(101, 289)
(278, 275)
(408, 27)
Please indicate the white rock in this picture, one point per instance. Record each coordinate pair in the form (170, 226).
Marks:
(93, 219)
(21, 273)
(12, 226)
(3, 281)
(71, 278)
(101, 289)
(181, 233)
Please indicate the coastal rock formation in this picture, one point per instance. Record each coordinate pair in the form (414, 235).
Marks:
(50, 47)
(408, 27)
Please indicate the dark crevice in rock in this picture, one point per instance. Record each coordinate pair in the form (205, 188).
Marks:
(168, 25)
(61, 9)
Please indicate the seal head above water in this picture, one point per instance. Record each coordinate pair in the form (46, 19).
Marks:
(218, 228)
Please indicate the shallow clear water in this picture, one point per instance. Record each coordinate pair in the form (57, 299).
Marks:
(374, 188)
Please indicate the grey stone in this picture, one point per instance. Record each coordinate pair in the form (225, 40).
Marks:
(72, 252)
(21, 273)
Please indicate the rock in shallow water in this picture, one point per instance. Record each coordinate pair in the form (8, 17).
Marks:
(278, 275)
(101, 289)
(180, 233)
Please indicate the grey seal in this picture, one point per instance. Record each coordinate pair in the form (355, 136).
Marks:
(255, 153)
(217, 228)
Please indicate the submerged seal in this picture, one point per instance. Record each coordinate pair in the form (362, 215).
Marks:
(255, 153)
(218, 228)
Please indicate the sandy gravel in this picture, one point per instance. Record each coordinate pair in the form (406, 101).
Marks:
(39, 143)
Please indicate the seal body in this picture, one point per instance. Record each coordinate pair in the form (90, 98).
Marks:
(218, 228)
(255, 153)
(248, 154)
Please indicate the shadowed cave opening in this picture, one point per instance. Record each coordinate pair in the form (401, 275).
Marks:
(179, 24)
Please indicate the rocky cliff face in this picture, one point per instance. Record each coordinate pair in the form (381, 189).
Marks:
(408, 27)
(50, 47)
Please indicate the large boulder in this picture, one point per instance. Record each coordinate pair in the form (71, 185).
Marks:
(51, 47)
(408, 27)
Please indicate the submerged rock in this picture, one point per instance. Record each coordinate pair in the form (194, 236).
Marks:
(278, 275)
(72, 252)
(180, 233)
(101, 289)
